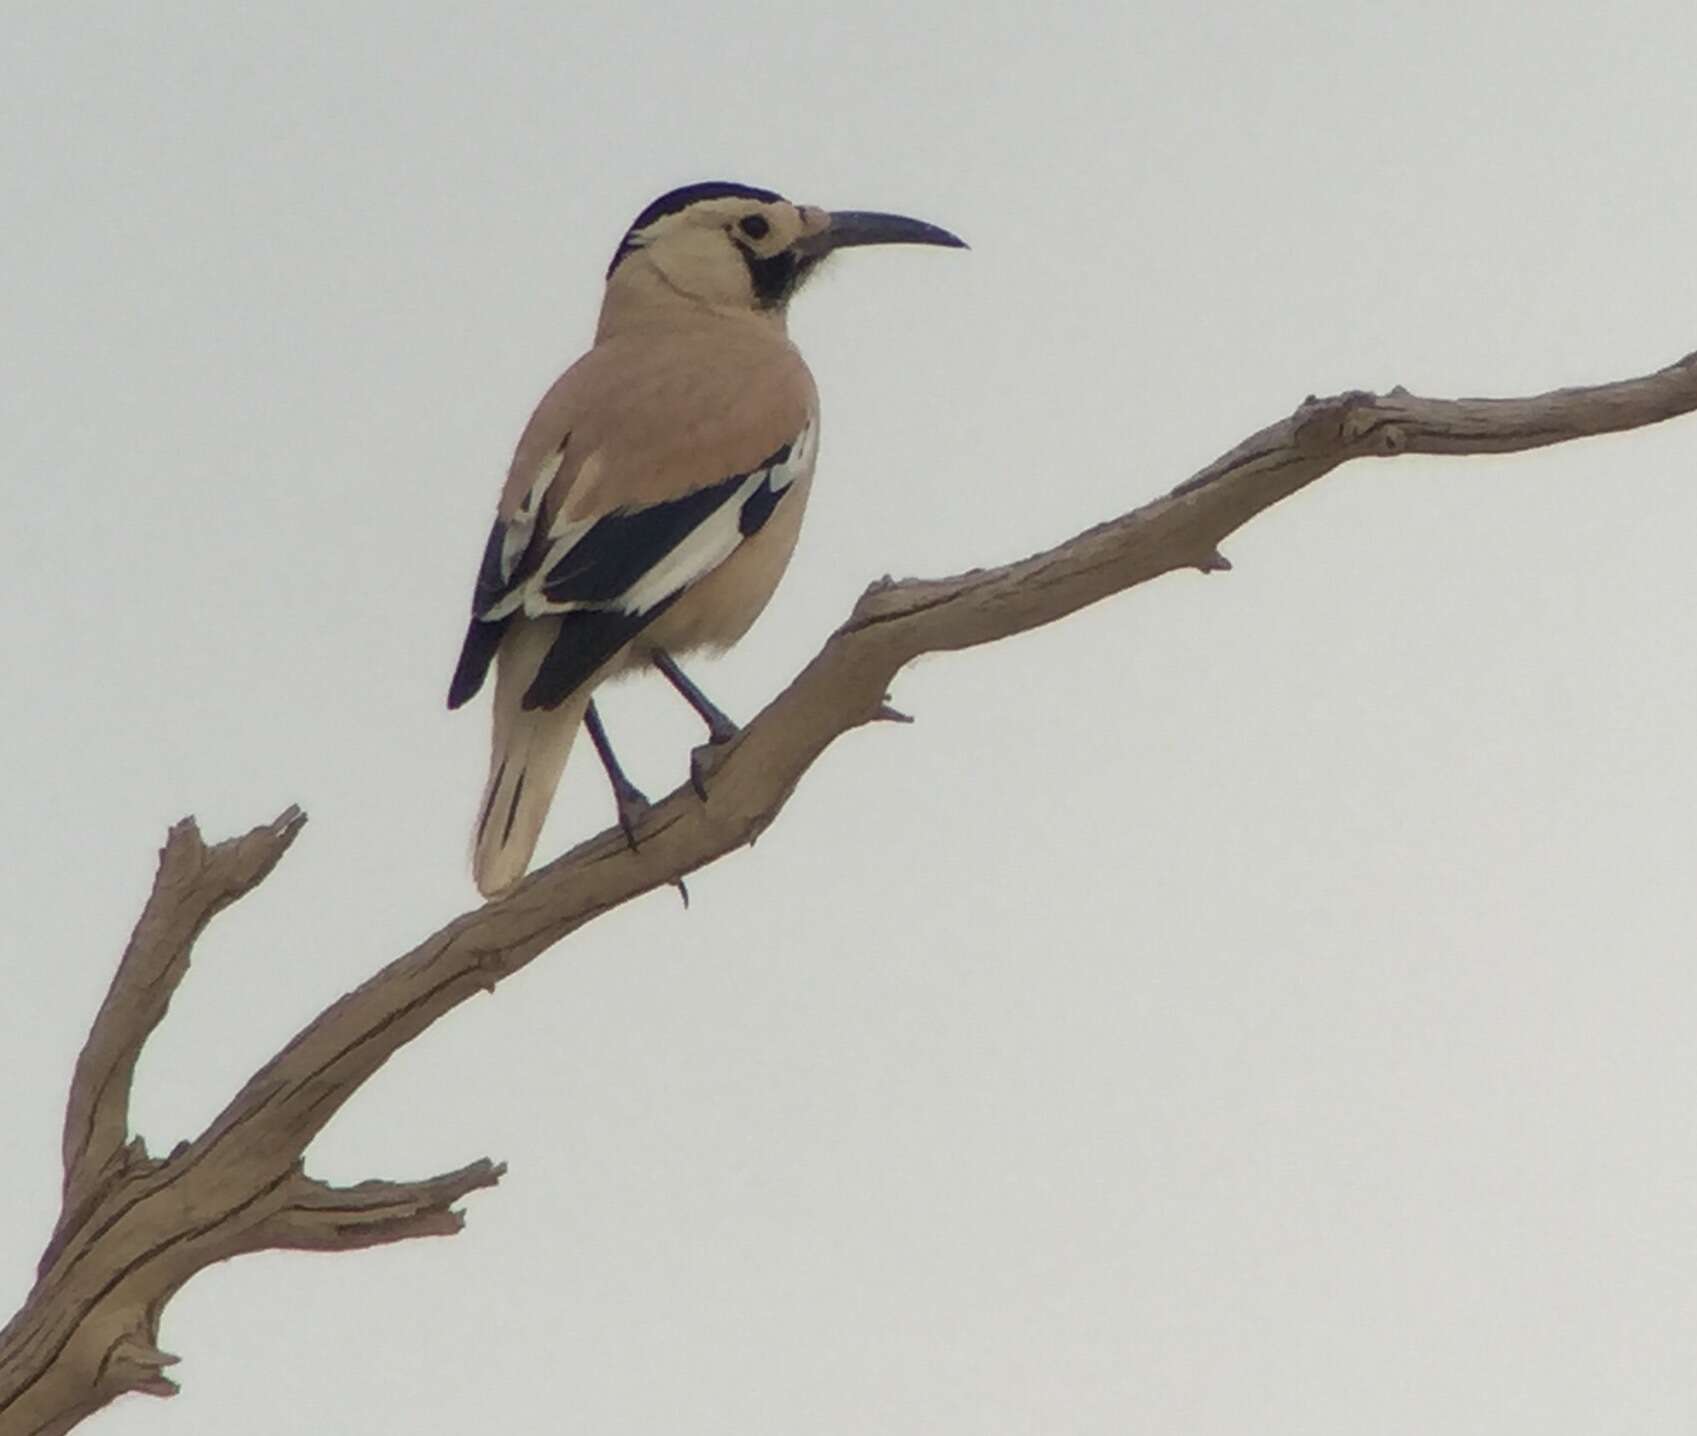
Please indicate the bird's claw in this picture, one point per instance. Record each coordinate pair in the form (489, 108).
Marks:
(633, 807)
(704, 762)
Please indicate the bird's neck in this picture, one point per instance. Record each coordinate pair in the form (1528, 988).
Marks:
(644, 299)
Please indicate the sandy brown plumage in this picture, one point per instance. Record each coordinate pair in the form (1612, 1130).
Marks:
(655, 496)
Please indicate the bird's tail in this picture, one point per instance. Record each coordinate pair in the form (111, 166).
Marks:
(527, 756)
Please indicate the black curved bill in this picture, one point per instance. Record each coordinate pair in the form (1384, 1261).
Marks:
(853, 227)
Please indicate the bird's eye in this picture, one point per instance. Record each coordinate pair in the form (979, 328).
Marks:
(755, 226)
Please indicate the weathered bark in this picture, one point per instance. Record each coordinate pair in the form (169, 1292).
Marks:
(134, 1228)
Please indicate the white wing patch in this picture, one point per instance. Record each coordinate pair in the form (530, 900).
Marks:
(516, 539)
(701, 550)
(800, 462)
(709, 544)
(532, 503)
(715, 540)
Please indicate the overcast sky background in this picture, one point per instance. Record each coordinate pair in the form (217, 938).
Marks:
(1259, 1004)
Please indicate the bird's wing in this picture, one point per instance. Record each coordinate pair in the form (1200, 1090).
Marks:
(642, 471)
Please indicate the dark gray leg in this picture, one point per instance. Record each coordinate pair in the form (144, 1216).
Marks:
(720, 729)
(632, 804)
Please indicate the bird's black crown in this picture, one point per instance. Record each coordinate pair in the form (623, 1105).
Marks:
(682, 198)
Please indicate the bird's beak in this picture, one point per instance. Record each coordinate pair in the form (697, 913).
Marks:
(850, 227)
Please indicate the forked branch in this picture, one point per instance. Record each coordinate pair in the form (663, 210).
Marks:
(135, 1228)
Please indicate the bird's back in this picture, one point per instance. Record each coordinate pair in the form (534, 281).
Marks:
(657, 411)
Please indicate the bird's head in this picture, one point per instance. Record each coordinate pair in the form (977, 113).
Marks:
(731, 247)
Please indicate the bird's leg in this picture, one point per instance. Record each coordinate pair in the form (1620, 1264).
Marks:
(720, 729)
(632, 804)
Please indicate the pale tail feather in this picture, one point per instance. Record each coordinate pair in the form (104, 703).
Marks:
(527, 757)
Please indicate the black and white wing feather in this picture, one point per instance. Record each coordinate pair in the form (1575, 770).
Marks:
(607, 578)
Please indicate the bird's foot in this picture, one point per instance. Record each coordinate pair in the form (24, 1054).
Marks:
(633, 806)
(720, 727)
(705, 760)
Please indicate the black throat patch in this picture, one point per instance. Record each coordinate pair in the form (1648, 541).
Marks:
(777, 278)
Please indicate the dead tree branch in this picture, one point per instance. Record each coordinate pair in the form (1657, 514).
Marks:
(134, 1228)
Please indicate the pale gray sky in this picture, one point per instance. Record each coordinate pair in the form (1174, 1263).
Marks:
(1260, 1004)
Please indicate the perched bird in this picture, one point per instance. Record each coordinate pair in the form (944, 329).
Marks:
(655, 496)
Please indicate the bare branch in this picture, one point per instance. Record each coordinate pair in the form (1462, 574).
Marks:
(135, 1229)
(192, 885)
(325, 1218)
